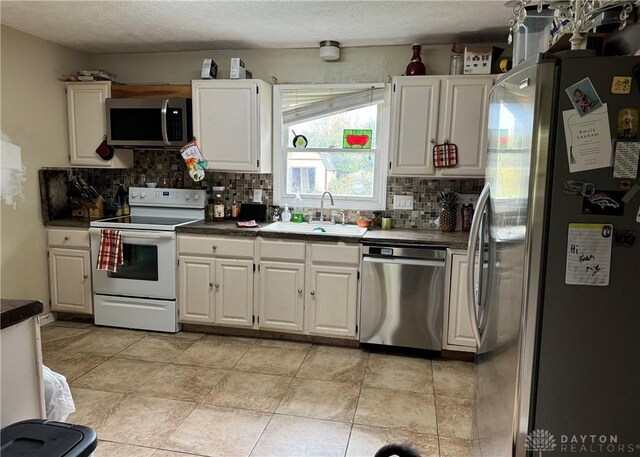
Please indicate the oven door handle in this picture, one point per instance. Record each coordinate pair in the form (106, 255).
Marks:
(140, 234)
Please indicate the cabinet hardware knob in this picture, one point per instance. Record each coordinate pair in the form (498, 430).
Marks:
(86, 276)
(214, 247)
(66, 238)
(217, 286)
(432, 140)
(312, 292)
(299, 291)
(210, 284)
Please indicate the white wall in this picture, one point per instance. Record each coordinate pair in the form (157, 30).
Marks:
(34, 117)
(365, 64)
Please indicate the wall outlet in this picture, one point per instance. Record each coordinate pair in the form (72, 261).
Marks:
(257, 195)
(403, 202)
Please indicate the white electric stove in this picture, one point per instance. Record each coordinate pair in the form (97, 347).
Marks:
(142, 293)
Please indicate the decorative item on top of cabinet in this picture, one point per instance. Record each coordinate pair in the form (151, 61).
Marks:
(232, 122)
(416, 67)
(70, 271)
(87, 119)
(430, 110)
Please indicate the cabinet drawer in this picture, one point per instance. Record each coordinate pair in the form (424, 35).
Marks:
(68, 238)
(215, 246)
(335, 253)
(282, 250)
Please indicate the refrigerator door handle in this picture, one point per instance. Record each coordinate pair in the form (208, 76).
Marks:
(477, 224)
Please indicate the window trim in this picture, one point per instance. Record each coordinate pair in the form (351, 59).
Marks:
(379, 199)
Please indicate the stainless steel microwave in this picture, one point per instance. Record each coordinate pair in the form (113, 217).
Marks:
(149, 122)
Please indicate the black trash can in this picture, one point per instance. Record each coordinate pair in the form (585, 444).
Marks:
(43, 438)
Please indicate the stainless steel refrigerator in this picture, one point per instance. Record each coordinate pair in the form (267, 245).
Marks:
(557, 360)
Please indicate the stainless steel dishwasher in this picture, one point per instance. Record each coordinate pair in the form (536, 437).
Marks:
(402, 297)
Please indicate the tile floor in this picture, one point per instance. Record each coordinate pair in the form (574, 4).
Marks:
(190, 394)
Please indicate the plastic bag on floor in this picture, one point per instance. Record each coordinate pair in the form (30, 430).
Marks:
(57, 395)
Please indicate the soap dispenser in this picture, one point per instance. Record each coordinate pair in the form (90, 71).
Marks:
(286, 214)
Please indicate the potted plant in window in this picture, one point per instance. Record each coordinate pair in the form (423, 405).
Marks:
(448, 200)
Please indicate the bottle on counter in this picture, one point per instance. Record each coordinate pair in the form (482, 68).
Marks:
(235, 207)
(126, 211)
(227, 209)
(297, 215)
(286, 214)
(218, 208)
(209, 209)
(121, 195)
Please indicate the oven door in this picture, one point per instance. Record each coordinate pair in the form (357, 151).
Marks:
(149, 268)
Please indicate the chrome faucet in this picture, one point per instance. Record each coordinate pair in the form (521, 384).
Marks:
(322, 204)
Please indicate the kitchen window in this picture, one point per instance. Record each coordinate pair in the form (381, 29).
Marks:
(331, 137)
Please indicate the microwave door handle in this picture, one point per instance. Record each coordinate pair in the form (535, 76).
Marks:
(163, 120)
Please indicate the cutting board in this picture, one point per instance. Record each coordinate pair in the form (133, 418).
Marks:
(54, 193)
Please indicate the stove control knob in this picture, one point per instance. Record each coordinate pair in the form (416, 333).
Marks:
(143, 194)
(196, 197)
(187, 196)
(134, 194)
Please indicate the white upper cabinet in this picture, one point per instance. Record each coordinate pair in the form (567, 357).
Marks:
(87, 118)
(430, 110)
(463, 122)
(414, 123)
(232, 124)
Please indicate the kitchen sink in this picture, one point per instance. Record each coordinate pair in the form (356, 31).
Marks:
(316, 228)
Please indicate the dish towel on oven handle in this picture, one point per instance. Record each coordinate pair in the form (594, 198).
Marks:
(110, 251)
(445, 155)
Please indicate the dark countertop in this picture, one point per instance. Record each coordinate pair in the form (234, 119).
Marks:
(453, 240)
(78, 222)
(13, 312)
(220, 228)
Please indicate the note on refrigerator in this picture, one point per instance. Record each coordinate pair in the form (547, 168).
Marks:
(588, 139)
(589, 254)
(627, 155)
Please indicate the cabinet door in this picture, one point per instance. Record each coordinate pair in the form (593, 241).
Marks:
(281, 296)
(195, 297)
(70, 280)
(331, 300)
(463, 121)
(459, 328)
(414, 121)
(87, 122)
(226, 123)
(233, 290)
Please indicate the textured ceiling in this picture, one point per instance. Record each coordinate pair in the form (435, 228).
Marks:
(154, 26)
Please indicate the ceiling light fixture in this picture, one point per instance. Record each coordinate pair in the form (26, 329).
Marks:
(575, 16)
(329, 50)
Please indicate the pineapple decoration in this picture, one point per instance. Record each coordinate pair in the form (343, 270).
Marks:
(448, 199)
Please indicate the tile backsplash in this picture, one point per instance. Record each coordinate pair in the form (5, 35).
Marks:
(157, 164)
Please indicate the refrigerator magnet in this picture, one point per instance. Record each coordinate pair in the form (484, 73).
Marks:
(638, 216)
(626, 155)
(621, 85)
(605, 203)
(584, 97)
(627, 123)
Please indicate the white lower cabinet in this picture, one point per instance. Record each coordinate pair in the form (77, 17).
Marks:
(195, 301)
(216, 285)
(233, 290)
(281, 296)
(457, 331)
(70, 280)
(309, 288)
(332, 300)
(70, 270)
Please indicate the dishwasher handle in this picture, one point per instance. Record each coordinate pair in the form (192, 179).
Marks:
(405, 261)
